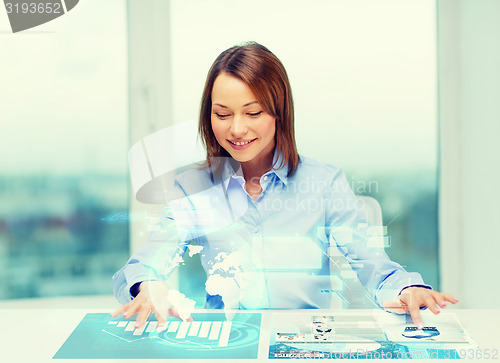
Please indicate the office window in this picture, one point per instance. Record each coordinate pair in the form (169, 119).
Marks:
(63, 170)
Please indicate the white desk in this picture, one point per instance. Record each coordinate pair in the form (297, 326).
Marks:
(31, 334)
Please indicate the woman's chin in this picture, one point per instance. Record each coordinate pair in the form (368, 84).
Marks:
(239, 156)
(241, 159)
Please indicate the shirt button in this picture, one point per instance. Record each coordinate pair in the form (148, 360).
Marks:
(265, 178)
(256, 230)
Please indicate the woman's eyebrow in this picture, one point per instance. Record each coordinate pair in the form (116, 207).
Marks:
(245, 105)
(249, 103)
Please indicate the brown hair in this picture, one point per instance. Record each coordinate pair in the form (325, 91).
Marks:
(263, 72)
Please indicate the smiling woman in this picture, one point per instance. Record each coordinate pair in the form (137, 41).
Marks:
(254, 82)
(242, 128)
(258, 249)
(247, 111)
(239, 125)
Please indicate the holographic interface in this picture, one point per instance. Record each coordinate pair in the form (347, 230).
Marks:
(209, 336)
(363, 335)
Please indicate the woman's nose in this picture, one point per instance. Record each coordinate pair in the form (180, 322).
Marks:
(238, 127)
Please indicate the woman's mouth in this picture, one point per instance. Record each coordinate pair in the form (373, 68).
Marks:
(241, 145)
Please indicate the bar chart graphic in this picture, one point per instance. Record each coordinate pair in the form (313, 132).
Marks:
(210, 335)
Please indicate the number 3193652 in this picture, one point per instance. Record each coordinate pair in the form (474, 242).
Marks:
(34, 8)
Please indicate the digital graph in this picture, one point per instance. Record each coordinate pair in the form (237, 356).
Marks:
(210, 335)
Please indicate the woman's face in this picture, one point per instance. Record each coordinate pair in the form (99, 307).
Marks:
(240, 124)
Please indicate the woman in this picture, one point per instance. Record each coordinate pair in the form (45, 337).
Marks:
(266, 219)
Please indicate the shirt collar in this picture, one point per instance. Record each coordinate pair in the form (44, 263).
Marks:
(233, 169)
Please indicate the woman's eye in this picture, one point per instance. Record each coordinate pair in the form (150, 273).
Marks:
(219, 115)
(255, 114)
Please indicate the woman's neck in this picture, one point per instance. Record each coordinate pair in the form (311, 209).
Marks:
(254, 169)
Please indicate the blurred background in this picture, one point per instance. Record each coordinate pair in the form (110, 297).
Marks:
(402, 94)
(64, 141)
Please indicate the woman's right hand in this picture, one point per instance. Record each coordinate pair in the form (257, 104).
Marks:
(152, 298)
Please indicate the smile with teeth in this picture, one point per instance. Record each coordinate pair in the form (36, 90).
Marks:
(241, 143)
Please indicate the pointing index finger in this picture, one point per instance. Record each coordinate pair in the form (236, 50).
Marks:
(143, 316)
(415, 316)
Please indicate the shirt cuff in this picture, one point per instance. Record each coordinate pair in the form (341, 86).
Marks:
(133, 286)
(134, 290)
(417, 285)
(392, 287)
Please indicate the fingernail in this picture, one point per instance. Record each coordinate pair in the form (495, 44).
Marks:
(443, 305)
(420, 325)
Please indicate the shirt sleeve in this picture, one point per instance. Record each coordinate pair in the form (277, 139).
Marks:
(156, 259)
(347, 232)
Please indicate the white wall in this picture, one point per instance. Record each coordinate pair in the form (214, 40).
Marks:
(469, 99)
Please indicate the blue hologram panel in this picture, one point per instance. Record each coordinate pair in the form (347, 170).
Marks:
(209, 336)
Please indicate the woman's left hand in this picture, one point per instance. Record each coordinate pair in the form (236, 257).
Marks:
(412, 298)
